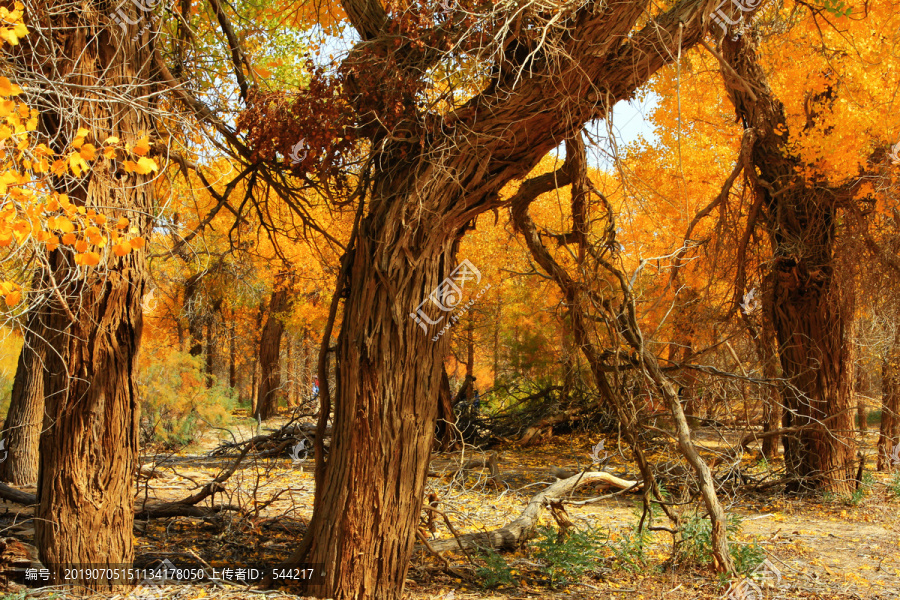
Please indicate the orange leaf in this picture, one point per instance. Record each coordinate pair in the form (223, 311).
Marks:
(90, 258)
(13, 298)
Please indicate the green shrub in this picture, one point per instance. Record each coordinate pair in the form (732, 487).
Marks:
(175, 400)
(894, 485)
(859, 494)
(566, 560)
(495, 570)
(695, 546)
(629, 551)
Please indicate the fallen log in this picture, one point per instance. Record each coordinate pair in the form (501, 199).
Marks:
(17, 496)
(182, 508)
(492, 462)
(519, 530)
(543, 428)
(186, 507)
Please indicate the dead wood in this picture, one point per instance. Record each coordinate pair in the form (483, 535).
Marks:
(186, 507)
(17, 496)
(544, 428)
(519, 530)
(492, 462)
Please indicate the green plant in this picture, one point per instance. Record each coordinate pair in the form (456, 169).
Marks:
(566, 560)
(175, 399)
(495, 570)
(746, 557)
(696, 544)
(861, 491)
(629, 550)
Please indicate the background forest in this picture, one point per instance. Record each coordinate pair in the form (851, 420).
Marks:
(467, 298)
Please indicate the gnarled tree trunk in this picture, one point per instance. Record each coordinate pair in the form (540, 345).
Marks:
(424, 190)
(93, 319)
(808, 310)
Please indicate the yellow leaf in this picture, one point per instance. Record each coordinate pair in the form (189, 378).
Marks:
(88, 152)
(122, 249)
(81, 246)
(142, 147)
(7, 88)
(68, 239)
(122, 224)
(64, 225)
(82, 132)
(145, 165)
(89, 258)
(111, 140)
(137, 242)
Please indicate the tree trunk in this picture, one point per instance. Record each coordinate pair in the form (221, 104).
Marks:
(22, 428)
(363, 528)
(808, 310)
(421, 197)
(889, 434)
(232, 352)
(861, 389)
(93, 320)
(470, 347)
(446, 415)
(270, 355)
(195, 310)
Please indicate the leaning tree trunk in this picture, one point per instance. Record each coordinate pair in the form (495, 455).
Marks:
(426, 186)
(808, 310)
(22, 427)
(93, 319)
(269, 357)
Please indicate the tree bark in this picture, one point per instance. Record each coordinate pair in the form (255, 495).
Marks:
(889, 431)
(92, 319)
(270, 355)
(22, 428)
(422, 196)
(446, 415)
(808, 311)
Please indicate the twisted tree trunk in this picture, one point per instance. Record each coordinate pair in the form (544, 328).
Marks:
(425, 189)
(92, 320)
(808, 310)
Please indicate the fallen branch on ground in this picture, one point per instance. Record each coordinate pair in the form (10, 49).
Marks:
(510, 535)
